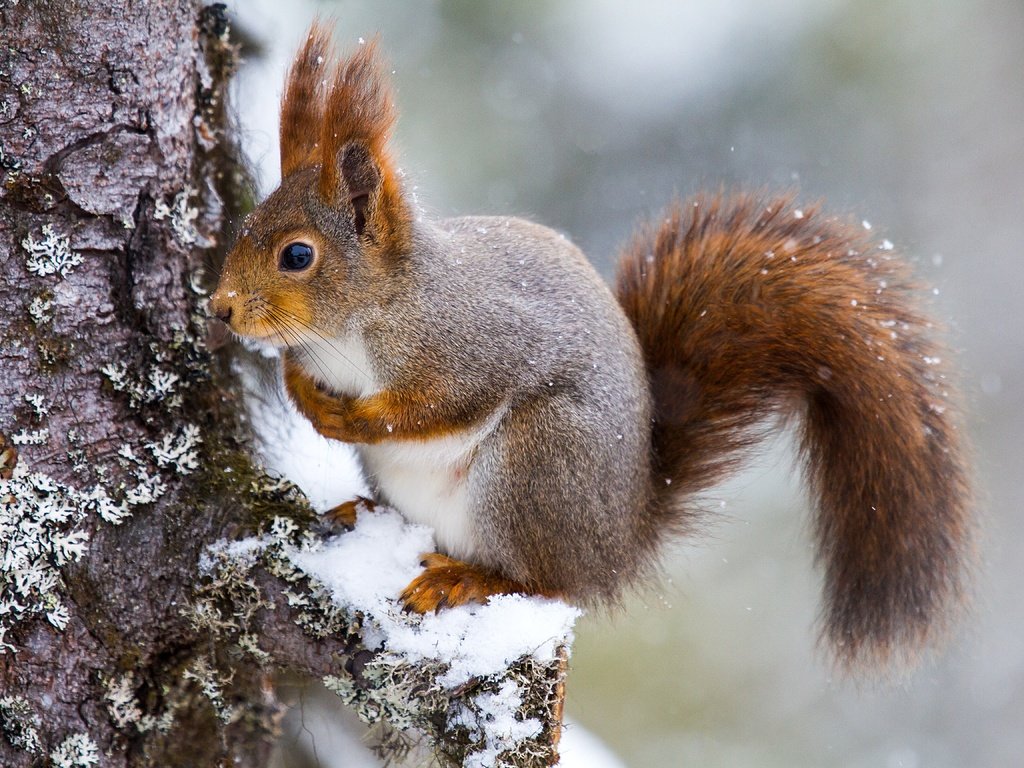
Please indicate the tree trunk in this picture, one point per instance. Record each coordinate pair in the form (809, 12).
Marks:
(114, 190)
(117, 646)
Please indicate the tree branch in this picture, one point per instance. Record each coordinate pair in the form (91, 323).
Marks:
(483, 684)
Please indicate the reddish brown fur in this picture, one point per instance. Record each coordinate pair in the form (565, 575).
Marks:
(360, 110)
(346, 513)
(745, 307)
(327, 109)
(359, 107)
(385, 415)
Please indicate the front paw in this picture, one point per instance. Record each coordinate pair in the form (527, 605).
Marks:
(345, 514)
(323, 388)
(8, 457)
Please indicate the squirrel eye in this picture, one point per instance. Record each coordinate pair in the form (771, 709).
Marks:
(296, 256)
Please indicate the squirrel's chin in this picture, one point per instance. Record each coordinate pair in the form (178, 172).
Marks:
(256, 340)
(267, 346)
(257, 332)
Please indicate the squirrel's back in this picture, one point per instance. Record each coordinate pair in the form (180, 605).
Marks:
(527, 301)
(516, 318)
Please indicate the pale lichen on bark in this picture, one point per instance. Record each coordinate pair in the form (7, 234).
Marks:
(106, 112)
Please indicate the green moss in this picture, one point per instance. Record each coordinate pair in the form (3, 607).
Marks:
(228, 475)
(26, 192)
(16, 333)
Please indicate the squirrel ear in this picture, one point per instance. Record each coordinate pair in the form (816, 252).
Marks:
(356, 166)
(362, 180)
(302, 106)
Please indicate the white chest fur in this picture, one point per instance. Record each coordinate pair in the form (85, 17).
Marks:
(344, 364)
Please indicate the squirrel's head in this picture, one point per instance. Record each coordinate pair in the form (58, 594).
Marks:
(327, 240)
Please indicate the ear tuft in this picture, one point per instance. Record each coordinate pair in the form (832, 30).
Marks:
(339, 117)
(359, 109)
(358, 119)
(302, 106)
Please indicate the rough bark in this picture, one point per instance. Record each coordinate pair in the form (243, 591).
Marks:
(113, 196)
(118, 186)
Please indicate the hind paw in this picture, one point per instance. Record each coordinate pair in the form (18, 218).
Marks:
(446, 582)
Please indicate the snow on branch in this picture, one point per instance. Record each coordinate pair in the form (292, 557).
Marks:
(482, 684)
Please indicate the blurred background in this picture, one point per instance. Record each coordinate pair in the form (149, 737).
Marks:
(586, 115)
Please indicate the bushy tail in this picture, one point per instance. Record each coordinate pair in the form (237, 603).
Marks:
(745, 306)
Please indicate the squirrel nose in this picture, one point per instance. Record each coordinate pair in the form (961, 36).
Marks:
(220, 308)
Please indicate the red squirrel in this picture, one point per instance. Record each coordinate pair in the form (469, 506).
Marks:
(554, 432)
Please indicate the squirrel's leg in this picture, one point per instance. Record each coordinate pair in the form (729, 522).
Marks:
(564, 496)
(555, 524)
(446, 582)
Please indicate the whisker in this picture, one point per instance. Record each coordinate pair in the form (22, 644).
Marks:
(281, 311)
(289, 334)
(328, 341)
(293, 340)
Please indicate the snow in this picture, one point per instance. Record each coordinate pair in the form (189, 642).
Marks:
(374, 561)
(496, 725)
(366, 569)
(580, 748)
(325, 470)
